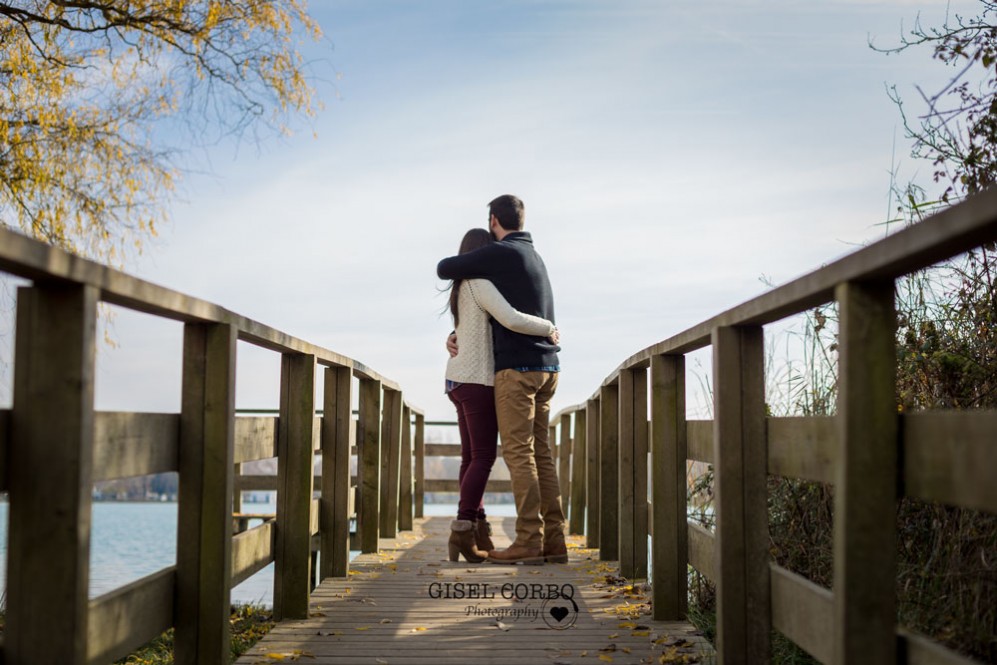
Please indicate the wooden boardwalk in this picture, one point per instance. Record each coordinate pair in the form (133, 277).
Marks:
(393, 609)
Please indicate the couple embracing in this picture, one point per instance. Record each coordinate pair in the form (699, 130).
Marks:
(501, 376)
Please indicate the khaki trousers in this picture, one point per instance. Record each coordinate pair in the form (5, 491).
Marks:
(522, 403)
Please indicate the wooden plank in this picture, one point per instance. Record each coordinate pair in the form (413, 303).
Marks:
(609, 435)
(369, 464)
(264, 482)
(405, 512)
(419, 445)
(950, 457)
(391, 446)
(453, 485)
(803, 448)
(4, 446)
(295, 469)
(335, 483)
(594, 468)
(49, 474)
(204, 511)
(865, 492)
(449, 450)
(917, 649)
(741, 499)
(442, 450)
(669, 583)
(699, 439)
(134, 444)
(803, 612)
(387, 610)
(255, 438)
(579, 475)
(126, 618)
(702, 551)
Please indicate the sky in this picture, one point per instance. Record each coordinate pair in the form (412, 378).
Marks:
(672, 156)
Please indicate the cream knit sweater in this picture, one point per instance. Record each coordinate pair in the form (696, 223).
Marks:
(475, 360)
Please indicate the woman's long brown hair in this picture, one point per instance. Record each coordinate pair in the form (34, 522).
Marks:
(473, 239)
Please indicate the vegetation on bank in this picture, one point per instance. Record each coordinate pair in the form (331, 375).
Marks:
(248, 624)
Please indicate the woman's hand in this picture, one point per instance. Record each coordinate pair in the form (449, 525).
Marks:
(555, 338)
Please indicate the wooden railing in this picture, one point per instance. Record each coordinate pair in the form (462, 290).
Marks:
(54, 446)
(872, 454)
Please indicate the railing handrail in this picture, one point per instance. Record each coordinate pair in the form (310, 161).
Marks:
(871, 453)
(48, 466)
(943, 235)
(31, 259)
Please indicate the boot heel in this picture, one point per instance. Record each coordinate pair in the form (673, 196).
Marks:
(454, 552)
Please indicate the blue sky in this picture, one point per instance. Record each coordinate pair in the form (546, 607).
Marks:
(669, 154)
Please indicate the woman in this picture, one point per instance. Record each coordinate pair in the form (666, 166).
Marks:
(470, 385)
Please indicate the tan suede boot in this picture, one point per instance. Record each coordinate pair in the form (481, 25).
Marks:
(515, 553)
(555, 550)
(483, 536)
(462, 542)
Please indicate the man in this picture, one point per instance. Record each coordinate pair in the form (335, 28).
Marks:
(526, 371)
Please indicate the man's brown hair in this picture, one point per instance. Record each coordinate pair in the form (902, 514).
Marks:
(509, 211)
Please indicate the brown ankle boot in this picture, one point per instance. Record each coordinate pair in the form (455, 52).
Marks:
(483, 535)
(462, 542)
(555, 550)
(516, 553)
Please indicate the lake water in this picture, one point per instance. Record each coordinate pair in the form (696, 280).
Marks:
(132, 540)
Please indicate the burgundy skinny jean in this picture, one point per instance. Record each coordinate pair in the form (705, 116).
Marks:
(478, 440)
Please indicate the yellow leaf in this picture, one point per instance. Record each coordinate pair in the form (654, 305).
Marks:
(276, 656)
(605, 657)
(363, 628)
(626, 649)
(640, 633)
(627, 624)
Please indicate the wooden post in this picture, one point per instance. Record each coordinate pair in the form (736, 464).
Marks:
(865, 488)
(579, 454)
(49, 475)
(295, 474)
(369, 464)
(555, 450)
(405, 471)
(594, 469)
(204, 512)
(236, 490)
(609, 434)
(740, 467)
(633, 473)
(668, 455)
(391, 445)
(334, 511)
(420, 463)
(564, 460)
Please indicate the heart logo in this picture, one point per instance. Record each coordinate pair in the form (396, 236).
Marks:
(559, 613)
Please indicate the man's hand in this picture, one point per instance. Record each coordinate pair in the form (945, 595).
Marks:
(452, 345)
(556, 337)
